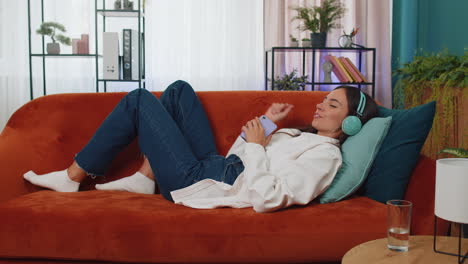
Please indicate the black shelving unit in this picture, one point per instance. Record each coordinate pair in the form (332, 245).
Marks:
(314, 52)
(105, 14)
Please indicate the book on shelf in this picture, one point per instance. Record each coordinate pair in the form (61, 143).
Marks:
(350, 70)
(357, 71)
(336, 69)
(343, 69)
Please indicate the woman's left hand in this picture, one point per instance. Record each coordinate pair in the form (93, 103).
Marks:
(254, 132)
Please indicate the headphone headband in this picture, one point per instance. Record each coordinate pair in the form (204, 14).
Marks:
(362, 104)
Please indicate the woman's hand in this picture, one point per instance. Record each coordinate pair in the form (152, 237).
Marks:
(254, 132)
(277, 111)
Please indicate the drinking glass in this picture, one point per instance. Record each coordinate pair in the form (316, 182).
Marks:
(398, 224)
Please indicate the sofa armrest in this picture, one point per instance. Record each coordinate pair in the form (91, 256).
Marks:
(14, 160)
(421, 192)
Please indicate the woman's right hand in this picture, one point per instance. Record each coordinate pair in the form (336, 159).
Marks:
(278, 111)
(255, 133)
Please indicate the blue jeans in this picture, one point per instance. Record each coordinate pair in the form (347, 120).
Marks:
(173, 133)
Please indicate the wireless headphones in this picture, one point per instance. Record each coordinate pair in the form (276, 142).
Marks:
(352, 124)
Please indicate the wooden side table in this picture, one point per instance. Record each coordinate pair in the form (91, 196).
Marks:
(420, 251)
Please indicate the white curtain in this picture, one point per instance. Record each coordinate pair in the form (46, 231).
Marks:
(373, 19)
(14, 80)
(63, 75)
(213, 44)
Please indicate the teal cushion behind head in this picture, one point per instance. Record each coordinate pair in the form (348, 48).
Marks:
(399, 153)
(358, 153)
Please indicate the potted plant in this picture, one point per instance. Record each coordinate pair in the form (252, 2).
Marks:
(457, 152)
(439, 77)
(124, 4)
(320, 19)
(306, 42)
(49, 29)
(290, 82)
(293, 41)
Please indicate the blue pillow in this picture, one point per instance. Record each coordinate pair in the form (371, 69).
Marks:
(396, 159)
(358, 153)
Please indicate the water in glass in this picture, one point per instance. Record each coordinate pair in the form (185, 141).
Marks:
(398, 239)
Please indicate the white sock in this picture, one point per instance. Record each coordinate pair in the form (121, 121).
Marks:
(57, 181)
(137, 183)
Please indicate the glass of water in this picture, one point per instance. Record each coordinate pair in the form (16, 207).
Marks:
(398, 224)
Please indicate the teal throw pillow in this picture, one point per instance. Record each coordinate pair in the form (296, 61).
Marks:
(400, 151)
(358, 153)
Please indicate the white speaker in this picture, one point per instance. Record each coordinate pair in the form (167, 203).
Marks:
(110, 55)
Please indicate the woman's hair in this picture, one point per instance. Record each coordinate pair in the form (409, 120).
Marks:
(353, 97)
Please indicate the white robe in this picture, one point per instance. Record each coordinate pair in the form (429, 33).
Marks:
(288, 171)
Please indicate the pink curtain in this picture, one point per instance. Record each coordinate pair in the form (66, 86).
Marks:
(374, 21)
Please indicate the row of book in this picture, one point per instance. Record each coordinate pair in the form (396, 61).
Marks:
(345, 70)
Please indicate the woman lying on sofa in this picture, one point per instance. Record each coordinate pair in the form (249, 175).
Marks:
(267, 173)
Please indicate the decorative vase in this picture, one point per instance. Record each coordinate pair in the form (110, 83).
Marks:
(318, 39)
(53, 48)
(118, 4)
(128, 5)
(306, 43)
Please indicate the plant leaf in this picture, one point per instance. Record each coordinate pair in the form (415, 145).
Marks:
(459, 152)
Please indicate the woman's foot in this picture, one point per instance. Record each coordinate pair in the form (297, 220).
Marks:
(137, 183)
(58, 181)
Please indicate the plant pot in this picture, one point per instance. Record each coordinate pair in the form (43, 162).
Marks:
(118, 4)
(450, 189)
(294, 44)
(450, 126)
(306, 43)
(53, 48)
(318, 39)
(128, 5)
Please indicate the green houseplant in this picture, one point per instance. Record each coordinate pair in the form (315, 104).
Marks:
(293, 41)
(320, 19)
(441, 77)
(290, 82)
(306, 42)
(49, 29)
(457, 152)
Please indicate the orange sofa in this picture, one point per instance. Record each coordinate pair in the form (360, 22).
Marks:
(39, 225)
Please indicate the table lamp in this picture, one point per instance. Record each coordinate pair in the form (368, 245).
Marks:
(451, 197)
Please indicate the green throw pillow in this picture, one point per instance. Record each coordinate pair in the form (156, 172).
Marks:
(358, 153)
(393, 165)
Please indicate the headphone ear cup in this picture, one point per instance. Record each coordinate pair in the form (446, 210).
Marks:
(351, 125)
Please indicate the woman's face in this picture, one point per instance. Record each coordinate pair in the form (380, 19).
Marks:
(330, 114)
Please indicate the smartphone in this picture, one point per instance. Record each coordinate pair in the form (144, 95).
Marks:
(268, 126)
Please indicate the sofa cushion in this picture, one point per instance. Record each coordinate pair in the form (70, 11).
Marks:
(123, 226)
(399, 153)
(358, 153)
